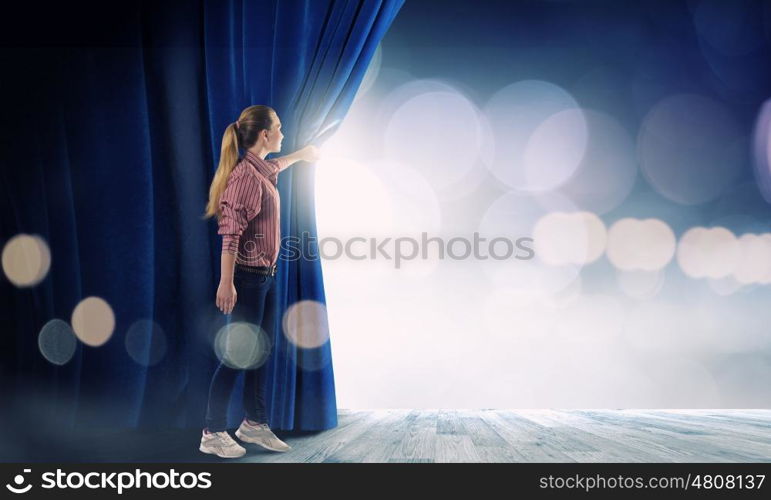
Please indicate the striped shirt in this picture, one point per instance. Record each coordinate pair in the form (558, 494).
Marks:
(250, 208)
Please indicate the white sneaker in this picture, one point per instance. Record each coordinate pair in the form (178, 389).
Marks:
(221, 444)
(262, 435)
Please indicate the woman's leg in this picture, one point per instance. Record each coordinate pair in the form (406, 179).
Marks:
(219, 395)
(249, 307)
(254, 381)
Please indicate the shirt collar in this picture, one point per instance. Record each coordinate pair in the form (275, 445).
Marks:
(266, 168)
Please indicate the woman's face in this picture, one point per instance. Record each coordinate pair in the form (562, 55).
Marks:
(274, 136)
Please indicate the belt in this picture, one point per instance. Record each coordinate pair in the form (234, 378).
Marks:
(265, 270)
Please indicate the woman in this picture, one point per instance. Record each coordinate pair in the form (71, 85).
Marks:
(245, 199)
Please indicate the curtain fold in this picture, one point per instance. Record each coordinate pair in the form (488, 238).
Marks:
(108, 155)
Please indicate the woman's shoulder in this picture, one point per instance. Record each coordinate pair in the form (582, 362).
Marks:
(238, 170)
(243, 172)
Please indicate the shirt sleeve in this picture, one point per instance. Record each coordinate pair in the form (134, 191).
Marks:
(279, 163)
(239, 203)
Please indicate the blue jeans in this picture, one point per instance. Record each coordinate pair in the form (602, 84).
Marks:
(255, 295)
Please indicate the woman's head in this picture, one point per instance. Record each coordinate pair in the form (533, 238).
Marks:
(258, 129)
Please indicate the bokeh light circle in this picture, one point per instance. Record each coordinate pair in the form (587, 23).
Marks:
(754, 262)
(569, 238)
(305, 324)
(242, 345)
(57, 342)
(554, 150)
(525, 118)
(707, 252)
(690, 148)
(146, 342)
(607, 172)
(26, 260)
(640, 244)
(438, 132)
(93, 321)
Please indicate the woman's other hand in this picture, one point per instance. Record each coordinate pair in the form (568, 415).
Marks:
(226, 297)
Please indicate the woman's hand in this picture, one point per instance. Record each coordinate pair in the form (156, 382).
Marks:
(310, 153)
(226, 297)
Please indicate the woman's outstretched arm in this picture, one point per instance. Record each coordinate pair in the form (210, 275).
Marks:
(309, 153)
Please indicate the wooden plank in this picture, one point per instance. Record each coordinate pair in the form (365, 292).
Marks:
(455, 448)
(480, 431)
(447, 423)
(523, 439)
(419, 441)
(379, 442)
(499, 454)
(546, 430)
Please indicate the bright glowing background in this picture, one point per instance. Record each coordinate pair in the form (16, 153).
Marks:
(635, 298)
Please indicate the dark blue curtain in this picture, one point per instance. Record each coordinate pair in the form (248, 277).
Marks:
(109, 147)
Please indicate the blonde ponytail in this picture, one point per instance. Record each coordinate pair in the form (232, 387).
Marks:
(228, 161)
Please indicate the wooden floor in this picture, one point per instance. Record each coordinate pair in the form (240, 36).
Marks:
(403, 435)
(535, 436)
